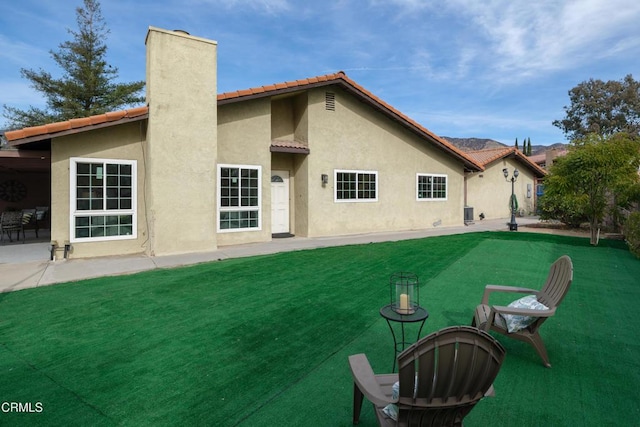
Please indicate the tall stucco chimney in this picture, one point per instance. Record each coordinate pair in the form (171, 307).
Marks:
(181, 146)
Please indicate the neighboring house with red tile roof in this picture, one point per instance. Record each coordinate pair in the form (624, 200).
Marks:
(545, 160)
(193, 171)
(489, 193)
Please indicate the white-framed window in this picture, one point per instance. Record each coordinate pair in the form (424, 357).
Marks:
(431, 187)
(356, 186)
(103, 195)
(239, 198)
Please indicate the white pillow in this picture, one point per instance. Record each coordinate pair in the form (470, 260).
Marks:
(516, 322)
(391, 410)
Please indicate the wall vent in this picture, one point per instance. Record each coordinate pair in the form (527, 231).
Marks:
(330, 101)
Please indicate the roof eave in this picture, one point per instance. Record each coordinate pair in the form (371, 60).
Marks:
(224, 98)
(48, 136)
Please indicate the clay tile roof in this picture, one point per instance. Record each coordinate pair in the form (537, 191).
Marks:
(235, 95)
(286, 146)
(42, 131)
(78, 123)
(538, 158)
(58, 127)
(484, 157)
(488, 156)
(35, 130)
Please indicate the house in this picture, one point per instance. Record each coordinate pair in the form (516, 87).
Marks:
(545, 160)
(193, 171)
(489, 191)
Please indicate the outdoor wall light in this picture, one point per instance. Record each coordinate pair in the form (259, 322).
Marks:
(325, 179)
(513, 203)
(405, 292)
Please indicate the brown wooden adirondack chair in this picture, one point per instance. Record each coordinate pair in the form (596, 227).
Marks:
(441, 378)
(489, 317)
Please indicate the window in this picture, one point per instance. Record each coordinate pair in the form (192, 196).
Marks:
(239, 201)
(103, 199)
(356, 186)
(431, 187)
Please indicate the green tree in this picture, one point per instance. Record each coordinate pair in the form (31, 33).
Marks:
(597, 173)
(87, 86)
(604, 108)
(529, 146)
(516, 143)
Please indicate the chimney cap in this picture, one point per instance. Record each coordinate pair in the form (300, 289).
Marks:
(182, 32)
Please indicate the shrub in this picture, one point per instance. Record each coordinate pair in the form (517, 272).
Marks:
(632, 233)
(567, 209)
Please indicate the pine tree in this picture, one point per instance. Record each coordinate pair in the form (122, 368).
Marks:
(516, 143)
(87, 86)
(529, 146)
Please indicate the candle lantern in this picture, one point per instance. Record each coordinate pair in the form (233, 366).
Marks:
(405, 292)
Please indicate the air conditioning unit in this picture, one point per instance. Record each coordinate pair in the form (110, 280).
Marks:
(468, 215)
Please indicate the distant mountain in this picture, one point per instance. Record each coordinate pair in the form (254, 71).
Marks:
(539, 149)
(474, 144)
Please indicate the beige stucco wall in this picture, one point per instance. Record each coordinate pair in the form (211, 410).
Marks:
(488, 192)
(300, 195)
(118, 142)
(244, 138)
(355, 137)
(181, 148)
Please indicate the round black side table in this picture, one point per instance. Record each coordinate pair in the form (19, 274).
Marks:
(390, 315)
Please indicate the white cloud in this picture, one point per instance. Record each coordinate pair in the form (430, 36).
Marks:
(510, 42)
(527, 38)
(20, 54)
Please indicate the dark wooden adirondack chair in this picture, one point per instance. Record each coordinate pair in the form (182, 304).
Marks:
(489, 317)
(441, 378)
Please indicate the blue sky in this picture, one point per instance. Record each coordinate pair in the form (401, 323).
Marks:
(462, 68)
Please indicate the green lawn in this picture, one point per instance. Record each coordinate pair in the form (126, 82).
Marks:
(263, 341)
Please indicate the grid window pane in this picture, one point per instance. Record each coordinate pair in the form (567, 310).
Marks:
(356, 186)
(238, 219)
(432, 187)
(101, 226)
(439, 187)
(239, 198)
(229, 186)
(366, 186)
(103, 191)
(88, 184)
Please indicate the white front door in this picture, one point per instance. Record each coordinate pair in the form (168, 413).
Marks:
(279, 202)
